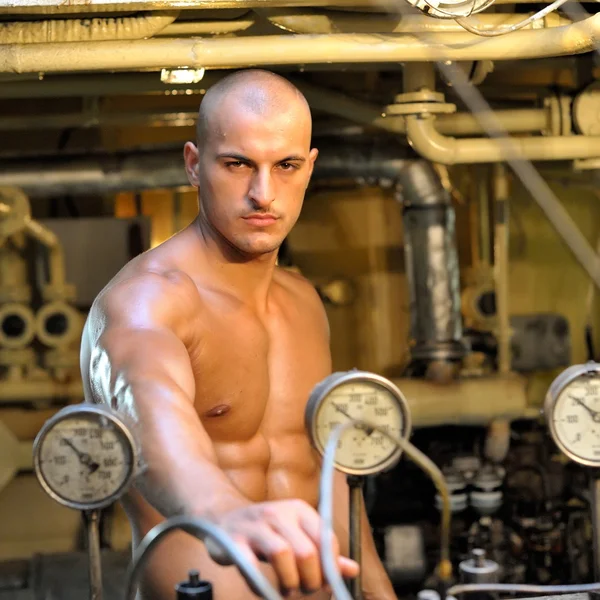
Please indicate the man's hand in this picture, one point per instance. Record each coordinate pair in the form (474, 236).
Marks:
(286, 534)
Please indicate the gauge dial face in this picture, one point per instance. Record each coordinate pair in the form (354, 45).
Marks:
(576, 420)
(359, 450)
(84, 460)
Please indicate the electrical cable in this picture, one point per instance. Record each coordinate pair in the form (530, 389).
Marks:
(201, 529)
(522, 588)
(510, 28)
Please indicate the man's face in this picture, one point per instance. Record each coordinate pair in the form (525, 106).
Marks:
(253, 171)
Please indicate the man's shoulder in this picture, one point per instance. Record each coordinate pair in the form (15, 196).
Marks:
(144, 282)
(303, 294)
(296, 285)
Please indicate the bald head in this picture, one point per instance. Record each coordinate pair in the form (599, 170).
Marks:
(252, 91)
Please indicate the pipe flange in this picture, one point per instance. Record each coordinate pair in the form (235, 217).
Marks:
(17, 325)
(423, 95)
(420, 108)
(15, 211)
(58, 324)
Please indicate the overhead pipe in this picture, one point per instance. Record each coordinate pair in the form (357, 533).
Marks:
(325, 21)
(237, 52)
(120, 172)
(54, 7)
(461, 124)
(214, 27)
(425, 139)
(85, 30)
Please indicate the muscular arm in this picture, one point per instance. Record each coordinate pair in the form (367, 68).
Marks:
(140, 364)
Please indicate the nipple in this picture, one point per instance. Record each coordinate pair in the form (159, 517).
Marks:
(219, 410)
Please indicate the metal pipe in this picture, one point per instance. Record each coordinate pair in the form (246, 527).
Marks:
(119, 172)
(297, 49)
(501, 265)
(56, 261)
(216, 27)
(53, 7)
(469, 401)
(432, 269)
(19, 391)
(85, 30)
(95, 562)
(595, 510)
(84, 86)
(430, 144)
(324, 21)
(355, 487)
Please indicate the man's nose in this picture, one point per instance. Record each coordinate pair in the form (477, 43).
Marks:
(262, 189)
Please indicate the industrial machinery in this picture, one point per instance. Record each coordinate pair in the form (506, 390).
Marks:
(86, 457)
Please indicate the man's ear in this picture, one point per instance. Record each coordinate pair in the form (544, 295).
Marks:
(312, 157)
(191, 157)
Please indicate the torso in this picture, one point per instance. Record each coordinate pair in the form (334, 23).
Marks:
(253, 375)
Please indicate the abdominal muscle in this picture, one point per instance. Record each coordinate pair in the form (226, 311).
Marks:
(291, 475)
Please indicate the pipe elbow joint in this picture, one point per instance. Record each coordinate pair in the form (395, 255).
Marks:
(428, 142)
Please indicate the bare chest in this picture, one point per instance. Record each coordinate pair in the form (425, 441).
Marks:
(253, 377)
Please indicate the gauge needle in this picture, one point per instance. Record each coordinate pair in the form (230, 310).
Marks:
(84, 457)
(367, 430)
(595, 414)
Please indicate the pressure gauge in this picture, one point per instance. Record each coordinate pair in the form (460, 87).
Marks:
(361, 396)
(572, 411)
(85, 456)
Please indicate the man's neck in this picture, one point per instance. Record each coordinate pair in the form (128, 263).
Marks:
(247, 277)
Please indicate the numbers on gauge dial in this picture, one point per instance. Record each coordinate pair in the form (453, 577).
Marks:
(359, 448)
(84, 460)
(577, 418)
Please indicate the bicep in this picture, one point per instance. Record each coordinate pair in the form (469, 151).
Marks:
(123, 355)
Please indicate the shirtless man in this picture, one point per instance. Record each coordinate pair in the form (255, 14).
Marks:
(214, 350)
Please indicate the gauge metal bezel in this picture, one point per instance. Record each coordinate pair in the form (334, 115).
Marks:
(323, 389)
(92, 412)
(557, 387)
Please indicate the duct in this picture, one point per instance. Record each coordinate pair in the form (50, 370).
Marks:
(85, 30)
(319, 21)
(432, 269)
(237, 52)
(430, 144)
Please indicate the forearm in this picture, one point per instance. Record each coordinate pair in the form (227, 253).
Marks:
(180, 472)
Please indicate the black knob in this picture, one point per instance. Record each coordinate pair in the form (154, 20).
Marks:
(194, 587)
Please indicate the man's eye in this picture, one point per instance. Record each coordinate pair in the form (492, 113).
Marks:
(236, 164)
(287, 166)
